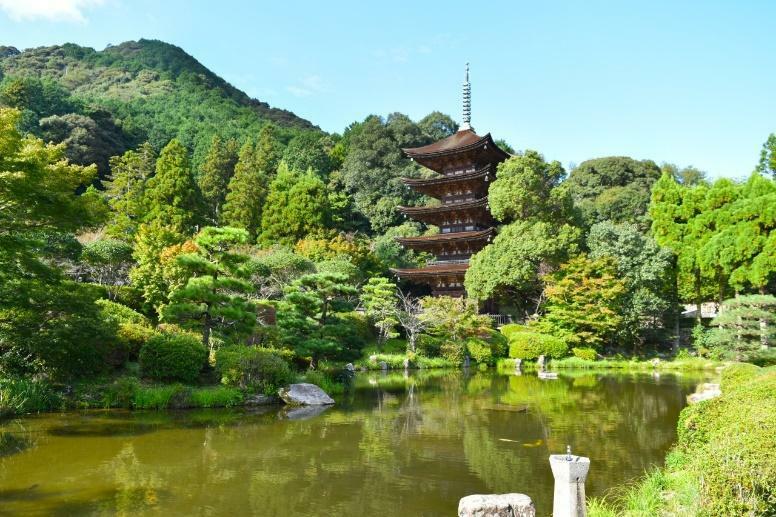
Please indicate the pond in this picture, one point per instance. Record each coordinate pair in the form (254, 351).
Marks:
(396, 446)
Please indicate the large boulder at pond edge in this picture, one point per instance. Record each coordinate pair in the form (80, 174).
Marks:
(496, 505)
(304, 394)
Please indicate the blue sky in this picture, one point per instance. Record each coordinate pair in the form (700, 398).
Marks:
(693, 83)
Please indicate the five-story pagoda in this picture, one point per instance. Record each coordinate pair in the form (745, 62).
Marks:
(465, 164)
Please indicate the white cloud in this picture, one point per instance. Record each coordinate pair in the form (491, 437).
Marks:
(53, 10)
(307, 86)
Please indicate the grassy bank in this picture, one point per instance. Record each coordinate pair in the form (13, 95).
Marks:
(690, 363)
(724, 462)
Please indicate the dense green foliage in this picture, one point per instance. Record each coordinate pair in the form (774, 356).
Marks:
(211, 297)
(614, 189)
(584, 302)
(172, 356)
(257, 369)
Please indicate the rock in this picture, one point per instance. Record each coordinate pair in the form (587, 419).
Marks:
(349, 367)
(262, 400)
(304, 394)
(705, 391)
(406, 363)
(373, 358)
(383, 365)
(518, 364)
(655, 362)
(496, 505)
(540, 363)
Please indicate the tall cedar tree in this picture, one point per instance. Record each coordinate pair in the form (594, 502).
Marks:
(214, 297)
(172, 198)
(215, 173)
(255, 169)
(126, 190)
(296, 206)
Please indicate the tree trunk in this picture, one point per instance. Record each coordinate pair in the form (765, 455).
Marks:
(698, 297)
(677, 308)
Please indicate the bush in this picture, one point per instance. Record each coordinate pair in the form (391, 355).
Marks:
(499, 344)
(588, 354)
(133, 330)
(173, 356)
(512, 328)
(479, 350)
(530, 345)
(453, 351)
(256, 369)
(118, 313)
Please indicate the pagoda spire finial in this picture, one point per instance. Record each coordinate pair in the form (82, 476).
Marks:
(467, 102)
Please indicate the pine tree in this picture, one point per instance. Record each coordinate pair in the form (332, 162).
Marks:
(214, 298)
(172, 197)
(126, 190)
(378, 298)
(215, 173)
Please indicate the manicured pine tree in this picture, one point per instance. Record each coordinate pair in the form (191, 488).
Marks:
(378, 298)
(172, 198)
(215, 296)
(125, 190)
(215, 173)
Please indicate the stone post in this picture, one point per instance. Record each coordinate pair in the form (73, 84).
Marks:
(570, 473)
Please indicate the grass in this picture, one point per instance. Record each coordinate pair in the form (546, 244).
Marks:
(216, 396)
(19, 396)
(692, 363)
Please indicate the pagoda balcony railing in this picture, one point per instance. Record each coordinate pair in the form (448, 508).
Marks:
(448, 261)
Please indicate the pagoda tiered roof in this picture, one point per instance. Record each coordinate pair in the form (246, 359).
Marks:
(437, 186)
(474, 210)
(443, 154)
(431, 241)
(452, 269)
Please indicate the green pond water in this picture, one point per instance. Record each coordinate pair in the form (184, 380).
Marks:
(396, 446)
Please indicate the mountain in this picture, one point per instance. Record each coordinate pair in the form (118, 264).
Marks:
(137, 91)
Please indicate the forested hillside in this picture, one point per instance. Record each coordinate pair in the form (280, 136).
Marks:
(102, 103)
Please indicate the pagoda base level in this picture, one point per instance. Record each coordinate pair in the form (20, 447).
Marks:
(453, 293)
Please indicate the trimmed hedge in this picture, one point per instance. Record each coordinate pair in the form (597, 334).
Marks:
(257, 369)
(530, 345)
(173, 357)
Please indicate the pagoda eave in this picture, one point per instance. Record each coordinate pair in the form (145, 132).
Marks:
(433, 271)
(429, 241)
